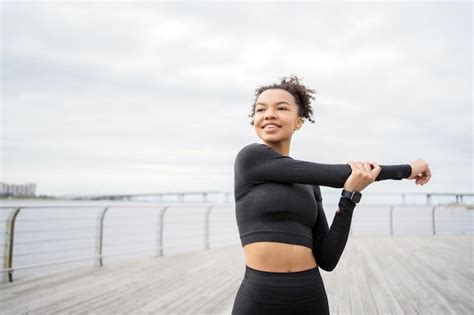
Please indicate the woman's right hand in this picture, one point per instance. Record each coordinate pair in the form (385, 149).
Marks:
(362, 175)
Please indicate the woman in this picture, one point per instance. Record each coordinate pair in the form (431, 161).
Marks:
(280, 217)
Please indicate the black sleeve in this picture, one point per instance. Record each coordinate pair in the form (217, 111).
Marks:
(261, 163)
(329, 243)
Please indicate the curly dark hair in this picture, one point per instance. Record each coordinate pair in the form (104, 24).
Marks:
(291, 84)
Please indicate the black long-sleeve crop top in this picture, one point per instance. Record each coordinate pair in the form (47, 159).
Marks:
(278, 199)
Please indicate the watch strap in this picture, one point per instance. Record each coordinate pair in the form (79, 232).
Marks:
(354, 196)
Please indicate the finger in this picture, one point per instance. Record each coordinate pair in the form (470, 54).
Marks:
(429, 175)
(422, 179)
(372, 165)
(355, 167)
(366, 167)
(375, 164)
(376, 171)
(427, 179)
(359, 166)
(426, 176)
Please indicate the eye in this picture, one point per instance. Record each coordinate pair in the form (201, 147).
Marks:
(258, 110)
(284, 108)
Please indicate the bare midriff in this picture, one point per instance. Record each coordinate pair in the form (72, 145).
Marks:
(279, 257)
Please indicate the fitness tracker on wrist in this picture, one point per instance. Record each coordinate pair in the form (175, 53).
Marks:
(354, 196)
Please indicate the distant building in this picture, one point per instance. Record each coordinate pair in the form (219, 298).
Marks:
(28, 189)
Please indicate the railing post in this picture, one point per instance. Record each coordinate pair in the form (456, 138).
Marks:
(160, 241)
(403, 199)
(206, 225)
(9, 242)
(433, 219)
(428, 199)
(391, 220)
(204, 196)
(100, 237)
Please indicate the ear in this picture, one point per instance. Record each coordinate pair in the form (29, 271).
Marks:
(299, 123)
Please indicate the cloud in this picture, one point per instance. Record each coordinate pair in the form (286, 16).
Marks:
(124, 97)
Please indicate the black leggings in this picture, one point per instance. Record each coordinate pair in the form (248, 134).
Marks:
(264, 292)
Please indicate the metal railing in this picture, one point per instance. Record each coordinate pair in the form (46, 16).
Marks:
(103, 210)
(457, 198)
(10, 233)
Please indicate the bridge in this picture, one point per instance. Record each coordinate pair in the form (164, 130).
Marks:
(458, 198)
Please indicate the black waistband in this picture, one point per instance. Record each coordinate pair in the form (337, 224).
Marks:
(249, 271)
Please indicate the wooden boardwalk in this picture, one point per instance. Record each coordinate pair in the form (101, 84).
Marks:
(376, 275)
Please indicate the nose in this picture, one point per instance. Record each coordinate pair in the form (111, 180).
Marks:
(269, 113)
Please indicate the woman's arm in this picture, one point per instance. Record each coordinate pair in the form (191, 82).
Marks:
(395, 171)
(329, 243)
(258, 162)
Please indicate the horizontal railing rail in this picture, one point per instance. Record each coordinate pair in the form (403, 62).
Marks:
(96, 240)
(204, 195)
(456, 197)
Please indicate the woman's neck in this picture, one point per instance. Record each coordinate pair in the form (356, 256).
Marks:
(281, 147)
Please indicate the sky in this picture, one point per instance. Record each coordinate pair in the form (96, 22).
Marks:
(145, 97)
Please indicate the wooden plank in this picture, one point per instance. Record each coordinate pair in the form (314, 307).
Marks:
(363, 278)
(429, 279)
(354, 278)
(399, 285)
(385, 300)
(375, 275)
(342, 303)
(104, 287)
(410, 275)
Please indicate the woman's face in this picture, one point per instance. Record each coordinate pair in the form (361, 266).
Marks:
(276, 107)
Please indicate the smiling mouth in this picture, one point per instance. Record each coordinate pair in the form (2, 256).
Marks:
(270, 127)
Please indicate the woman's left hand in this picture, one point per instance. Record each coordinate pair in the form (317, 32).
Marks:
(420, 171)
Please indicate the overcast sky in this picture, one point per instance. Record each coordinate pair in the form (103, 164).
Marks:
(118, 97)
